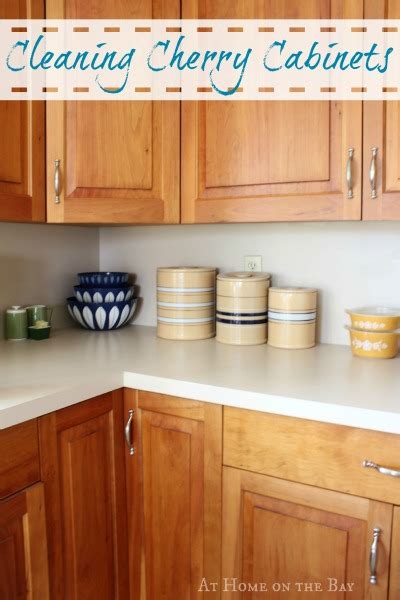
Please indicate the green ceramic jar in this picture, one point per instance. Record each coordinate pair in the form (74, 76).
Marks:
(16, 323)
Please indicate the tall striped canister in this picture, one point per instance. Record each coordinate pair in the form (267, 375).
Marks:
(186, 303)
(292, 315)
(242, 301)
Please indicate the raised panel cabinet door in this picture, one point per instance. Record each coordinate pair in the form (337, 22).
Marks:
(82, 457)
(177, 542)
(22, 141)
(394, 591)
(381, 193)
(23, 546)
(270, 160)
(119, 160)
(19, 457)
(299, 541)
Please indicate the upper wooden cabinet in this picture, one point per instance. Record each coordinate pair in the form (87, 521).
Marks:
(175, 517)
(270, 161)
(382, 132)
(119, 161)
(22, 142)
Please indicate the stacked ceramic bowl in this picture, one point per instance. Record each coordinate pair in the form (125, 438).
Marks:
(103, 301)
(374, 331)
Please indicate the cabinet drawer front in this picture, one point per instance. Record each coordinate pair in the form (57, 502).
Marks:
(19, 457)
(319, 454)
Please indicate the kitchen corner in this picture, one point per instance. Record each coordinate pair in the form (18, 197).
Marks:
(211, 409)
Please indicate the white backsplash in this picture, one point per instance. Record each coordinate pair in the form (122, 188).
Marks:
(351, 264)
(38, 265)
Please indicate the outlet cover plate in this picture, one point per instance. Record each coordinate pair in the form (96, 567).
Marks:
(253, 263)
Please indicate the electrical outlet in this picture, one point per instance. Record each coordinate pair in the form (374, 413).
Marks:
(253, 263)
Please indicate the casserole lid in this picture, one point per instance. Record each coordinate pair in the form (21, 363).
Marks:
(185, 269)
(375, 311)
(244, 276)
(293, 290)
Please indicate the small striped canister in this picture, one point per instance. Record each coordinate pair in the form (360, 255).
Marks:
(242, 302)
(186, 303)
(292, 316)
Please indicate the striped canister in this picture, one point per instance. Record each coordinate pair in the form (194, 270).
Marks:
(292, 315)
(186, 303)
(242, 302)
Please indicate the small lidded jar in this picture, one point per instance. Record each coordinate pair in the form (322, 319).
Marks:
(16, 326)
(242, 304)
(292, 316)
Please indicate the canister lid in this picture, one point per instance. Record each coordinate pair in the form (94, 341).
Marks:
(186, 269)
(244, 276)
(16, 310)
(293, 290)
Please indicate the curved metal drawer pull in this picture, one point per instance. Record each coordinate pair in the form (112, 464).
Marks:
(128, 432)
(349, 173)
(372, 173)
(57, 181)
(382, 470)
(373, 556)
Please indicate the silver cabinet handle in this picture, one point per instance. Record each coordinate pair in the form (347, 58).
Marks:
(349, 173)
(373, 556)
(382, 470)
(372, 173)
(128, 432)
(57, 181)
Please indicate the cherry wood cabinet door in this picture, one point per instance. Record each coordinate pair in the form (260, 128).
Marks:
(175, 516)
(270, 161)
(394, 592)
(119, 161)
(19, 457)
(382, 132)
(22, 141)
(83, 469)
(280, 532)
(23, 546)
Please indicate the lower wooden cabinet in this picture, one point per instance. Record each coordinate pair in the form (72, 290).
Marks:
(134, 503)
(299, 541)
(23, 546)
(19, 457)
(83, 470)
(175, 503)
(394, 582)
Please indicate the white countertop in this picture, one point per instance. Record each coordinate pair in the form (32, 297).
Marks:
(325, 383)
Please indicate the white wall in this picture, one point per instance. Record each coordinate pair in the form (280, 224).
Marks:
(350, 263)
(38, 264)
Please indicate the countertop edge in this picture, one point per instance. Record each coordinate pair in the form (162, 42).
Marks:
(361, 418)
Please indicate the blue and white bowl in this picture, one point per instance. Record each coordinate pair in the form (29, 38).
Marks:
(103, 278)
(117, 294)
(101, 316)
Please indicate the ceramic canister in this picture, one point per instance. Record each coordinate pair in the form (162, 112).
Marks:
(16, 323)
(292, 314)
(186, 303)
(242, 303)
